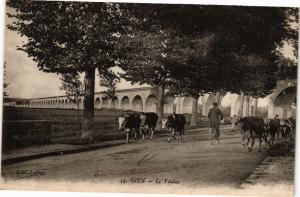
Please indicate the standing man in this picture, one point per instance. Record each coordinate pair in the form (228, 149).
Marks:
(276, 123)
(215, 115)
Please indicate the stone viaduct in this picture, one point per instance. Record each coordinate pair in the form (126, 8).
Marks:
(282, 101)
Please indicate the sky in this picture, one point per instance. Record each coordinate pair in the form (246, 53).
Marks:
(24, 78)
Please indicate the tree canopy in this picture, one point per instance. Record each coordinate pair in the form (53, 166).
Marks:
(209, 48)
(235, 34)
(65, 37)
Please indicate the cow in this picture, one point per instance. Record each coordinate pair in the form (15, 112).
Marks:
(141, 124)
(287, 130)
(292, 122)
(130, 123)
(148, 124)
(174, 124)
(273, 128)
(251, 128)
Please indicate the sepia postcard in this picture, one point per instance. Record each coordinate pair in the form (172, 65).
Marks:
(152, 98)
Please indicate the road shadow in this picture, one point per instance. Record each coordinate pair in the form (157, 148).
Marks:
(281, 149)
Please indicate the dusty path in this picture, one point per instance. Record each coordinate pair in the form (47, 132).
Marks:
(191, 162)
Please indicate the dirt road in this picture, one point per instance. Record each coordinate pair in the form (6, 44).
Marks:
(194, 161)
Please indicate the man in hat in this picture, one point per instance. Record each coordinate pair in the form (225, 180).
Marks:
(215, 115)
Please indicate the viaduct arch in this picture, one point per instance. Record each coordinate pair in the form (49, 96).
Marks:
(282, 102)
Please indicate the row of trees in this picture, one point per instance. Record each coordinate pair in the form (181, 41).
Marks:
(189, 49)
(193, 50)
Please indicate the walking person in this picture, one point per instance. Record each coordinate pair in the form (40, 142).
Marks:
(276, 122)
(215, 115)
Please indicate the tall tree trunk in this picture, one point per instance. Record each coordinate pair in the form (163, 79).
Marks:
(194, 110)
(78, 115)
(247, 106)
(160, 105)
(241, 109)
(115, 113)
(217, 98)
(88, 112)
(254, 111)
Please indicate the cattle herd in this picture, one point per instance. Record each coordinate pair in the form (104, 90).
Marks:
(252, 128)
(142, 125)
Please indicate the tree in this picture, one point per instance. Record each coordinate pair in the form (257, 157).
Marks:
(109, 79)
(259, 79)
(147, 49)
(144, 61)
(287, 67)
(170, 47)
(68, 37)
(74, 88)
(240, 59)
(293, 29)
(190, 68)
(5, 84)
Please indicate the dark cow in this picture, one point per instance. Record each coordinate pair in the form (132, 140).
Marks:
(251, 128)
(174, 124)
(291, 121)
(141, 124)
(148, 124)
(130, 123)
(284, 129)
(273, 128)
(287, 130)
